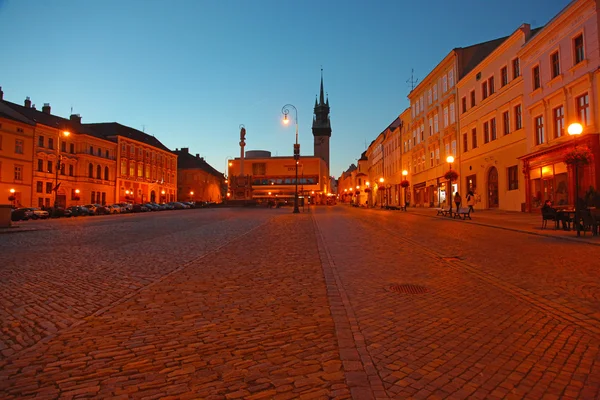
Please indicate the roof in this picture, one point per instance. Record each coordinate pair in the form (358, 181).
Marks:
(185, 160)
(53, 121)
(109, 130)
(471, 56)
(9, 113)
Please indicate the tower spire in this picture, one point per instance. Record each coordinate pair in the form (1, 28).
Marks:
(321, 96)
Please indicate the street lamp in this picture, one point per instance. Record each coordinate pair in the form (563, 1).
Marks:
(76, 197)
(192, 195)
(163, 196)
(285, 111)
(404, 175)
(380, 190)
(450, 160)
(576, 129)
(58, 166)
(12, 197)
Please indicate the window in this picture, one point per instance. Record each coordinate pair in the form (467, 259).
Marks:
(452, 113)
(503, 76)
(464, 104)
(518, 120)
(40, 202)
(555, 64)
(106, 174)
(506, 122)
(62, 168)
(454, 148)
(434, 92)
(40, 166)
(465, 142)
(472, 98)
(18, 146)
(106, 154)
(72, 148)
(558, 116)
(98, 172)
(140, 170)
(131, 168)
(484, 91)
(436, 126)
(474, 137)
(430, 126)
(49, 167)
(539, 129)
(493, 128)
(41, 141)
(90, 170)
(124, 149)
(70, 170)
(421, 106)
(516, 69)
(445, 117)
(437, 155)
(536, 77)
(513, 177)
(422, 132)
(39, 187)
(63, 146)
(583, 109)
(48, 187)
(431, 155)
(447, 149)
(18, 172)
(451, 78)
(491, 85)
(429, 97)
(92, 150)
(578, 49)
(259, 168)
(99, 152)
(51, 143)
(444, 84)
(486, 132)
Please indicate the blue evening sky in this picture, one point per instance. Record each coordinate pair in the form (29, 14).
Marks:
(191, 71)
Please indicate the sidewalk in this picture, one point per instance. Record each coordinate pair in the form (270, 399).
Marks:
(514, 221)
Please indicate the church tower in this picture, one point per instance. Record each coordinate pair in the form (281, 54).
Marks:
(321, 127)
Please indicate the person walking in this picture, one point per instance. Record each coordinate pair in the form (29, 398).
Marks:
(457, 201)
(471, 200)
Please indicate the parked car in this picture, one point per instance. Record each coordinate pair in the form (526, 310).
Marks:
(79, 211)
(101, 210)
(59, 212)
(114, 209)
(21, 214)
(38, 213)
(139, 208)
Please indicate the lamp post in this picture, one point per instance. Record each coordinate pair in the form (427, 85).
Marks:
(450, 160)
(76, 198)
(285, 111)
(12, 197)
(576, 129)
(162, 196)
(58, 166)
(380, 189)
(192, 196)
(367, 183)
(404, 175)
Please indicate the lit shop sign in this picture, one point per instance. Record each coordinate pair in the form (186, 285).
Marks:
(292, 167)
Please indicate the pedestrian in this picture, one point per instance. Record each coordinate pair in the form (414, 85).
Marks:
(471, 200)
(457, 200)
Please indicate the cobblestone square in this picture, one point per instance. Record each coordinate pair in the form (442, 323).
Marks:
(336, 302)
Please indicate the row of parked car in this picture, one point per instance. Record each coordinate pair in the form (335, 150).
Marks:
(27, 213)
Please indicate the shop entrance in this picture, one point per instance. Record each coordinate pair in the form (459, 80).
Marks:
(493, 188)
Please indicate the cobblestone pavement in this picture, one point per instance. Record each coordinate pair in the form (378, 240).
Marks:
(238, 303)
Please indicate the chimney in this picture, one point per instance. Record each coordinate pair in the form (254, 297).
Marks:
(1, 94)
(27, 102)
(75, 118)
(185, 150)
(33, 106)
(46, 108)
(197, 155)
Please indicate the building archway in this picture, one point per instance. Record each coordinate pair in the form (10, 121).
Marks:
(493, 201)
(153, 196)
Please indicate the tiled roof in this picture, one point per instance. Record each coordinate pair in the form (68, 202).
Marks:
(470, 57)
(185, 160)
(9, 113)
(110, 131)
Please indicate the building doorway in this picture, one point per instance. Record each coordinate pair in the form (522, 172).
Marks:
(493, 188)
(152, 197)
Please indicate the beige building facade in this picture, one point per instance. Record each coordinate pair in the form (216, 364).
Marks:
(492, 135)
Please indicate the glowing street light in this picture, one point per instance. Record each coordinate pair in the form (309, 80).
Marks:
(58, 165)
(404, 175)
(12, 197)
(576, 129)
(285, 111)
(450, 160)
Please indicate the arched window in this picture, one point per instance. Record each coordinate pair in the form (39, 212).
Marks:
(98, 172)
(91, 170)
(105, 173)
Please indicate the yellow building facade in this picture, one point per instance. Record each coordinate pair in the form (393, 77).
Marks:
(492, 134)
(274, 178)
(16, 157)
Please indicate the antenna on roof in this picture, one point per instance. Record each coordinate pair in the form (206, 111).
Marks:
(71, 110)
(144, 128)
(412, 80)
